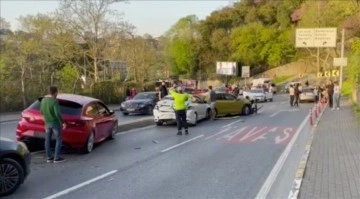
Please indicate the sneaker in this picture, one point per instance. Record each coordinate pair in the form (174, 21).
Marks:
(50, 160)
(179, 133)
(59, 160)
(186, 132)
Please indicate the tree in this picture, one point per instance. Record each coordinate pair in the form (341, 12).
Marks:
(4, 24)
(181, 48)
(92, 22)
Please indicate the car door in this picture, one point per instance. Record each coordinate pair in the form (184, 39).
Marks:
(234, 105)
(91, 111)
(200, 107)
(105, 121)
(221, 104)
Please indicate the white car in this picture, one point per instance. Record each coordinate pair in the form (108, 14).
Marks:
(197, 110)
(258, 94)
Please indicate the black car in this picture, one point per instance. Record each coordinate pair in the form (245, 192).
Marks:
(143, 103)
(14, 165)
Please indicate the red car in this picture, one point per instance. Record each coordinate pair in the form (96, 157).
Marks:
(88, 121)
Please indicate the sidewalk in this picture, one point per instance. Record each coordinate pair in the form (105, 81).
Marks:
(333, 167)
(15, 116)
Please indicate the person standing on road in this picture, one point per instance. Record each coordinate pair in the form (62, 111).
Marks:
(133, 93)
(163, 90)
(292, 95)
(50, 109)
(180, 99)
(297, 95)
(212, 101)
(330, 92)
(336, 96)
(127, 93)
(316, 94)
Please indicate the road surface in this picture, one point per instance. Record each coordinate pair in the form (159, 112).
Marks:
(239, 157)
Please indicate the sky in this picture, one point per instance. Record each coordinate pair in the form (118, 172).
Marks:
(152, 17)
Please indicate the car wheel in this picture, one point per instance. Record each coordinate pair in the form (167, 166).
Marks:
(11, 176)
(113, 132)
(150, 110)
(246, 110)
(125, 113)
(89, 146)
(159, 123)
(271, 99)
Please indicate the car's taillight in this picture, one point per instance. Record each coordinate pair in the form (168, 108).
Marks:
(29, 118)
(75, 123)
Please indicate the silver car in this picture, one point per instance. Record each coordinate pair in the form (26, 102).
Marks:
(307, 95)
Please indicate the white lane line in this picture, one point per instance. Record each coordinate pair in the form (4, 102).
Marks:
(274, 114)
(9, 122)
(136, 129)
(71, 189)
(230, 124)
(221, 132)
(264, 191)
(182, 143)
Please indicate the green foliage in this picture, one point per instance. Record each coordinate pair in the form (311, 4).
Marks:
(68, 78)
(106, 91)
(281, 79)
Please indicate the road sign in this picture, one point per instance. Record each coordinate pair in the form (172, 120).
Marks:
(340, 61)
(315, 37)
(327, 74)
(320, 74)
(335, 73)
(245, 71)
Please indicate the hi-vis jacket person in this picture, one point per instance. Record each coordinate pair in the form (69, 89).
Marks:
(180, 99)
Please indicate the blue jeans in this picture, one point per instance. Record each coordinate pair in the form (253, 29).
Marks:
(336, 100)
(49, 130)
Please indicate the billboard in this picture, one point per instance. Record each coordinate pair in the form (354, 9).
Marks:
(226, 68)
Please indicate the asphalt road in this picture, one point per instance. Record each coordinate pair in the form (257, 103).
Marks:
(240, 157)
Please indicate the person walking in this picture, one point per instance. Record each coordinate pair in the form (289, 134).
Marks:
(212, 101)
(316, 94)
(292, 95)
(163, 90)
(180, 99)
(127, 93)
(297, 95)
(133, 93)
(330, 92)
(336, 96)
(50, 109)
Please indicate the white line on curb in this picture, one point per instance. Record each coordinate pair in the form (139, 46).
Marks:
(71, 189)
(182, 143)
(264, 191)
(136, 129)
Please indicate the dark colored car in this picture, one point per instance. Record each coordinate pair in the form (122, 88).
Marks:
(88, 121)
(14, 165)
(142, 103)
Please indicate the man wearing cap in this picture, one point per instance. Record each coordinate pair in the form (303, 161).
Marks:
(180, 99)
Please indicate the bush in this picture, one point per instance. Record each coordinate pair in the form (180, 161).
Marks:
(106, 91)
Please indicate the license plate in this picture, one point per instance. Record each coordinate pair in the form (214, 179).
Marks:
(131, 109)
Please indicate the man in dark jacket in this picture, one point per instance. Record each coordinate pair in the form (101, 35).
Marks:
(163, 90)
(127, 93)
(330, 91)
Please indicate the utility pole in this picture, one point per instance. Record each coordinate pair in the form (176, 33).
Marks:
(342, 56)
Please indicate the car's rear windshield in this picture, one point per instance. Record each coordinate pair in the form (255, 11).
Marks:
(308, 90)
(256, 91)
(141, 96)
(66, 107)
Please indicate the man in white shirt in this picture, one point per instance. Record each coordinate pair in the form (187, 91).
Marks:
(292, 95)
(336, 96)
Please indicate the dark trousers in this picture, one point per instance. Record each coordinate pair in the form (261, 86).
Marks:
(181, 119)
(331, 100)
(292, 100)
(297, 99)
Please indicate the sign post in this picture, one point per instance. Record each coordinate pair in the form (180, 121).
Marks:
(245, 73)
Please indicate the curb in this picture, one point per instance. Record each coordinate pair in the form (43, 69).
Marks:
(300, 172)
(135, 125)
